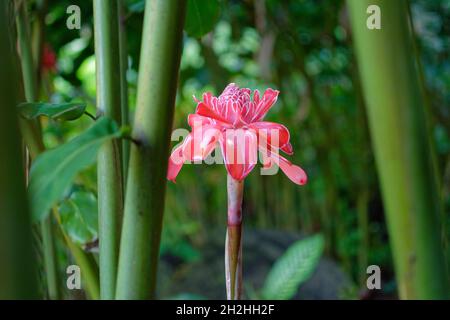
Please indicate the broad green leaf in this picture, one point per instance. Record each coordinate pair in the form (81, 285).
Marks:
(79, 217)
(53, 171)
(293, 268)
(57, 111)
(201, 17)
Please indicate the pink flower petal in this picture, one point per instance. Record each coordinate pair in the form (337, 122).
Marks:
(268, 100)
(204, 110)
(274, 134)
(177, 159)
(197, 146)
(287, 148)
(240, 152)
(256, 97)
(204, 139)
(195, 120)
(292, 171)
(234, 120)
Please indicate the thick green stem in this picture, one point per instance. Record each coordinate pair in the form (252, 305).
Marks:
(144, 204)
(109, 168)
(38, 36)
(32, 135)
(86, 262)
(18, 270)
(51, 271)
(397, 119)
(89, 270)
(26, 53)
(124, 87)
(233, 241)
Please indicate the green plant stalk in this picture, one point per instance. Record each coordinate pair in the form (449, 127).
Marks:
(109, 168)
(51, 266)
(397, 120)
(18, 269)
(146, 183)
(89, 270)
(88, 267)
(38, 36)
(30, 130)
(233, 240)
(125, 113)
(26, 53)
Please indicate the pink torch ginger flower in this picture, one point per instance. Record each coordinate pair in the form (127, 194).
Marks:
(235, 121)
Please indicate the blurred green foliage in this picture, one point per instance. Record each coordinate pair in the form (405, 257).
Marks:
(79, 217)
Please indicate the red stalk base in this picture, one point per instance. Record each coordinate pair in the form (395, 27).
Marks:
(233, 242)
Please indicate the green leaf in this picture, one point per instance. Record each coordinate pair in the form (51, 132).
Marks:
(137, 6)
(57, 111)
(53, 171)
(79, 217)
(293, 268)
(201, 17)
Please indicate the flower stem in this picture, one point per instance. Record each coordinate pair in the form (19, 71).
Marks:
(233, 242)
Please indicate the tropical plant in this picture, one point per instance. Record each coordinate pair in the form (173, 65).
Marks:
(85, 130)
(234, 120)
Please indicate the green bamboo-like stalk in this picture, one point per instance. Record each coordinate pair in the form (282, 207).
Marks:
(146, 184)
(38, 36)
(26, 53)
(50, 263)
(32, 128)
(109, 168)
(125, 113)
(18, 270)
(88, 267)
(397, 120)
(31, 131)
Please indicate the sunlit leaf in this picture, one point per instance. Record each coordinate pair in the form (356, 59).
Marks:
(53, 171)
(293, 268)
(79, 217)
(57, 111)
(201, 17)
